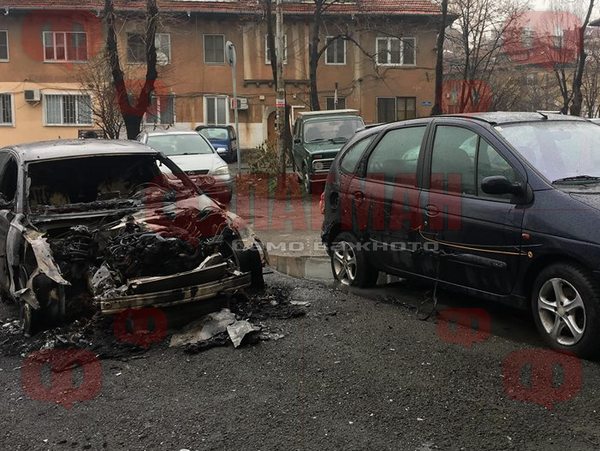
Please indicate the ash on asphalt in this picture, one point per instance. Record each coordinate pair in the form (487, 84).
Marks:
(97, 333)
(354, 373)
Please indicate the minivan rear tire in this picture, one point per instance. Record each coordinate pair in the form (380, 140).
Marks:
(349, 263)
(565, 303)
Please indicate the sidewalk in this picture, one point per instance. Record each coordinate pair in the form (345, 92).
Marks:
(287, 221)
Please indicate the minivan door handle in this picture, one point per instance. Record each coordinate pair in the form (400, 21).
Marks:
(432, 210)
(359, 196)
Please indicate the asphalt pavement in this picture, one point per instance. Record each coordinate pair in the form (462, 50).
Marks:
(359, 371)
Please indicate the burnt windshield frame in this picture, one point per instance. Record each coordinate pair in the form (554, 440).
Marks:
(117, 203)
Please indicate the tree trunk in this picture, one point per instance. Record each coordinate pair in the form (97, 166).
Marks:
(581, 56)
(133, 125)
(314, 58)
(132, 114)
(439, 65)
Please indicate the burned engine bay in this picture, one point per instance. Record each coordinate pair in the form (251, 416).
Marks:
(156, 243)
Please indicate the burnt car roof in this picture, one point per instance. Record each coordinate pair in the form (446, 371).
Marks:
(48, 150)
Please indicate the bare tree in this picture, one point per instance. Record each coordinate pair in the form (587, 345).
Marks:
(481, 33)
(439, 64)
(132, 108)
(590, 87)
(580, 67)
(95, 77)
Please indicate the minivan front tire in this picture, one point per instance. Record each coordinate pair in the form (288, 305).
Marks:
(565, 303)
(349, 263)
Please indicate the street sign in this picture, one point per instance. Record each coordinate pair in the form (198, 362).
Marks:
(279, 103)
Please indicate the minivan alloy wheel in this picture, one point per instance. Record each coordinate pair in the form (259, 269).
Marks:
(561, 311)
(344, 262)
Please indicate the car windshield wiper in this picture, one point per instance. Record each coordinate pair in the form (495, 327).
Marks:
(578, 179)
(338, 139)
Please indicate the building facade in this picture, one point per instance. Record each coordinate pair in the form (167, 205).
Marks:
(385, 68)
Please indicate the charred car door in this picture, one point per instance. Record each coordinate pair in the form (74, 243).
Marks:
(477, 235)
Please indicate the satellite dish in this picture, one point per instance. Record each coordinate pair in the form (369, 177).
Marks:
(162, 59)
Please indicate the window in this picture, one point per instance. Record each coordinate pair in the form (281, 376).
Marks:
(353, 155)
(161, 110)
(336, 51)
(390, 109)
(216, 112)
(6, 109)
(490, 163)
(136, 47)
(527, 37)
(65, 46)
(341, 103)
(395, 51)
(453, 160)
(267, 51)
(162, 41)
(396, 155)
(214, 48)
(67, 109)
(3, 45)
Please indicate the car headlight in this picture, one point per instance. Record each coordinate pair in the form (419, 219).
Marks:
(222, 170)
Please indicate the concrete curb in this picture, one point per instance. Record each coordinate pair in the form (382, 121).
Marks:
(302, 266)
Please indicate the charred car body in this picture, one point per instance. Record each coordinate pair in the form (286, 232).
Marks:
(112, 225)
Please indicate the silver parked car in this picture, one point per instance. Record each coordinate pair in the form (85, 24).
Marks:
(197, 157)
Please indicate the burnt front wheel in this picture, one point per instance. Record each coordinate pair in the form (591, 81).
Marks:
(565, 305)
(31, 322)
(349, 262)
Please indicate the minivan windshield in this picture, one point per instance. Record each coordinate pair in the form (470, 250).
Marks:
(331, 129)
(563, 151)
(180, 144)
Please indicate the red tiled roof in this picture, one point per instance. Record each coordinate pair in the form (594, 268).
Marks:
(387, 7)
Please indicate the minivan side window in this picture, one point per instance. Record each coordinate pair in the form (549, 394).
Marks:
(396, 155)
(453, 160)
(490, 163)
(352, 156)
(460, 161)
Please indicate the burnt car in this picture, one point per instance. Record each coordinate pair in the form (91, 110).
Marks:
(503, 206)
(91, 225)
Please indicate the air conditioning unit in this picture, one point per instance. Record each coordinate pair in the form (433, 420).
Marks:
(33, 95)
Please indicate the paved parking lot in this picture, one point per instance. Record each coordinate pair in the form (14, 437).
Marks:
(359, 371)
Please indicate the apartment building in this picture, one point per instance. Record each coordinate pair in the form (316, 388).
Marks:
(386, 70)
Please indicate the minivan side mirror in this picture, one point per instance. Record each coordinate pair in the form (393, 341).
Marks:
(499, 184)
